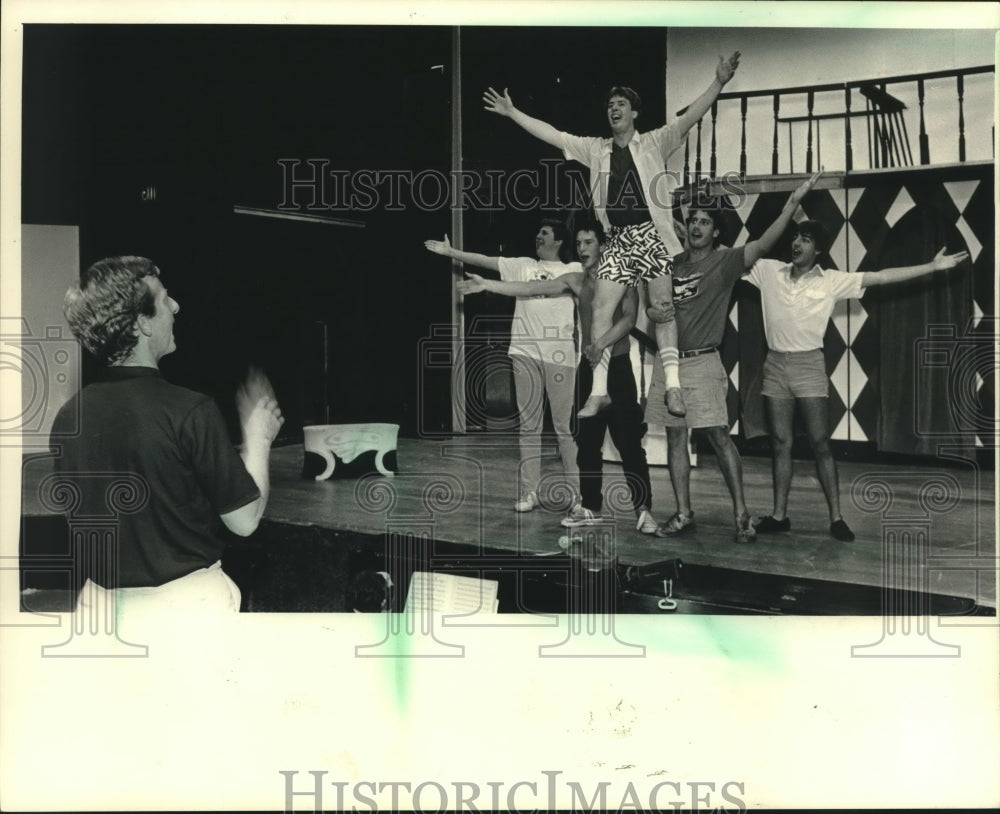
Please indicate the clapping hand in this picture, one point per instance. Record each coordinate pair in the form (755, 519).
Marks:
(260, 415)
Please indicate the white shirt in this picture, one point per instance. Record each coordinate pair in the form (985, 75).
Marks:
(543, 327)
(796, 311)
(649, 152)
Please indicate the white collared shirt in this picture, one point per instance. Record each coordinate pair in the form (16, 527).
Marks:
(649, 152)
(796, 311)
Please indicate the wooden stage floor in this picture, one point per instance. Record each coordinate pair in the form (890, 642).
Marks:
(462, 490)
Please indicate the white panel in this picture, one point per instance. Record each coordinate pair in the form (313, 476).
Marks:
(839, 319)
(48, 357)
(902, 205)
(970, 240)
(961, 192)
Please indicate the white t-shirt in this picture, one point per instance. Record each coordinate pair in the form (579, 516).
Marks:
(542, 327)
(796, 312)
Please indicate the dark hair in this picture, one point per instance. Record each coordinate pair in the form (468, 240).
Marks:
(634, 99)
(560, 233)
(816, 231)
(368, 592)
(714, 208)
(104, 305)
(559, 230)
(594, 226)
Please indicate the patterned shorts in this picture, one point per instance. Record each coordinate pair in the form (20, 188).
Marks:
(634, 253)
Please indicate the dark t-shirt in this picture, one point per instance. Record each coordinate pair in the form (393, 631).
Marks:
(175, 442)
(701, 296)
(626, 201)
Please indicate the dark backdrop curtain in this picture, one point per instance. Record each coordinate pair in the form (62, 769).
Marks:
(917, 414)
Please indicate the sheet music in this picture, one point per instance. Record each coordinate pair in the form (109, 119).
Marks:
(449, 593)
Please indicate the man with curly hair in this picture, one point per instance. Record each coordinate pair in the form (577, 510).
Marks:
(171, 440)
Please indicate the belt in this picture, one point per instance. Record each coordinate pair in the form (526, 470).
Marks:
(687, 354)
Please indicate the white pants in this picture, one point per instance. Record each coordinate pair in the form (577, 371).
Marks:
(205, 592)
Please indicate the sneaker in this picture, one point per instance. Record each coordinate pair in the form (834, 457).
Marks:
(646, 524)
(745, 532)
(579, 516)
(841, 531)
(676, 525)
(527, 502)
(768, 525)
(674, 400)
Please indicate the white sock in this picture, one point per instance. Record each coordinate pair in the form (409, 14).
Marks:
(670, 361)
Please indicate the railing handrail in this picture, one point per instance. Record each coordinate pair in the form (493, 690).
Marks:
(855, 83)
(886, 128)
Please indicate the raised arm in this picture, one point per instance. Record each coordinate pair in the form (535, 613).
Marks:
(534, 288)
(621, 327)
(503, 106)
(444, 247)
(699, 107)
(940, 262)
(756, 249)
(260, 420)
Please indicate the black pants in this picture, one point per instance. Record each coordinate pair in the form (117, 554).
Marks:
(624, 419)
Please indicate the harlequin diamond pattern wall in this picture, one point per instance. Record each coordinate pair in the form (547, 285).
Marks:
(860, 212)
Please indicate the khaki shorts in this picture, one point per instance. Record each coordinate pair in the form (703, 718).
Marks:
(705, 386)
(795, 375)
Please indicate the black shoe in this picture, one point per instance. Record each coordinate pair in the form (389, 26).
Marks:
(768, 525)
(841, 531)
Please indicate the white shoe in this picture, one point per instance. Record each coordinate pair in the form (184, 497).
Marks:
(579, 516)
(527, 502)
(646, 523)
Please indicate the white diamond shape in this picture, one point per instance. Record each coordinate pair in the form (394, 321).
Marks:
(841, 378)
(848, 379)
(979, 442)
(902, 205)
(841, 245)
(970, 239)
(734, 376)
(839, 319)
(858, 377)
(746, 207)
(840, 200)
(961, 192)
(736, 428)
(977, 314)
(842, 433)
(734, 315)
(854, 431)
(856, 317)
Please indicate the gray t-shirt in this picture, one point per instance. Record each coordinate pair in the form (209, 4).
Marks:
(701, 296)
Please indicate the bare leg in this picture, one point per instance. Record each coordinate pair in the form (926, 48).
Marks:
(680, 467)
(731, 466)
(661, 295)
(780, 414)
(816, 413)
(607, 295)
